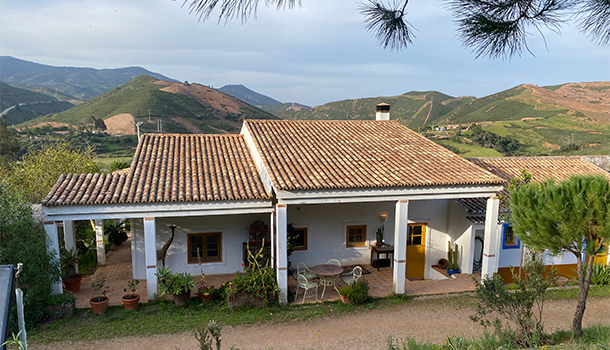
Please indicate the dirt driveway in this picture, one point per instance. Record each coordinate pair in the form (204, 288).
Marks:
(424, 319)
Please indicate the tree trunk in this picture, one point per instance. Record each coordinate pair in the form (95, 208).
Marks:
(584, 282)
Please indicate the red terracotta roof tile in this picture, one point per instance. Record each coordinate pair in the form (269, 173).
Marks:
(308, 155)
(541, 168)
(170, 168)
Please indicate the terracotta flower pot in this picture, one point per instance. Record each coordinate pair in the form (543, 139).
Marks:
(181, 299)
(131, 301)
(345, 299)
(72, 284)
(206, 296)
(99, 305)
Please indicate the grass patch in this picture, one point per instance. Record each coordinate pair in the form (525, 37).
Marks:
(164, 317)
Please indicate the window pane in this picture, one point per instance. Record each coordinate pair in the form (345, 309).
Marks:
(416, 240)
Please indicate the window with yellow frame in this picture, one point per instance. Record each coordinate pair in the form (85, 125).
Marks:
(356, 236)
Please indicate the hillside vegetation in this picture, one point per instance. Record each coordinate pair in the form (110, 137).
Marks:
(570, 118)
(19, 105)
(176, 107)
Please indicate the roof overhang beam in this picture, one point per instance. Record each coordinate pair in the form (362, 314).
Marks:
(88, 212)
(386, 194)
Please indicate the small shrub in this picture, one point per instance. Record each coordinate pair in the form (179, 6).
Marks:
(209, 336)
(259, 280)
(600, 274)
(174, 283)
(118, 165)
(357, 292)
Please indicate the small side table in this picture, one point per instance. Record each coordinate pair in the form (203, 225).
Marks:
(384, 249)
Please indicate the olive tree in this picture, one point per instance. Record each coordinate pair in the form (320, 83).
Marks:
(571, 216)
(494, 28)
(36, 174)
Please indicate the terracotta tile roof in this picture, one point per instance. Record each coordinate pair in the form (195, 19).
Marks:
(307, 155)
(170, 168)
(541, 168)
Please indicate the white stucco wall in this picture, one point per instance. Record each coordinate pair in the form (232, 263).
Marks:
(234, 230)
(461, 232)
(326, 229)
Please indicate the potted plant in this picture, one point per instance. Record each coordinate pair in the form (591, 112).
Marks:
(452, 256)
(177, 284)
(379, 235)
(205, 291)
(131, 301)
(69, 263)
(356, 292)
(99, 303)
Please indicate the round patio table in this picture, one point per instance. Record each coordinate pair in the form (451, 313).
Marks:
(328, 274)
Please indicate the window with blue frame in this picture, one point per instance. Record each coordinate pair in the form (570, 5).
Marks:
(510, 239)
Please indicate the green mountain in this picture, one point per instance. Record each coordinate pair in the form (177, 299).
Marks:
(569, 118)
(415, 109)
(159, 105)
(19, 105)
(253, 98)
(80, 83)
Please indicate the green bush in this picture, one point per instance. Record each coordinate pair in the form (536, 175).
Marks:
(174, 283)
(357, 292)
(259, 280)
(115, 231)
(600, 274)
(22, 240)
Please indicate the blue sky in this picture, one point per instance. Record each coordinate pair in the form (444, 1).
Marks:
(315, 54)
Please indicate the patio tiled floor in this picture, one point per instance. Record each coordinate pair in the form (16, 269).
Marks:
(118, 272)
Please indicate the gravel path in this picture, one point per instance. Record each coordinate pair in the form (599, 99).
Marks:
(423, 319)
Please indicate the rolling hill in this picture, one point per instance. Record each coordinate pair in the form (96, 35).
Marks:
(19, 105)
(159, 105)
(80, 83)
(545, 120)
(253, 98)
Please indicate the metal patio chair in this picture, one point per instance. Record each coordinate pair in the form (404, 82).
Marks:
(353, 276)
(307, 286)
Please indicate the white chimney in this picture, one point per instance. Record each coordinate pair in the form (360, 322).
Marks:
(383, 112)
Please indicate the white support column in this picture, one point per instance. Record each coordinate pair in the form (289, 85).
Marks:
(400, 246)
(272, 234)
(150, 252)
(69, 235)
(282, 258)
(490, 244)
(133, 247)
(51, 229)
(99, 242)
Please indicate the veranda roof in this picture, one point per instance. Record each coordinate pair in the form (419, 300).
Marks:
(170, 168)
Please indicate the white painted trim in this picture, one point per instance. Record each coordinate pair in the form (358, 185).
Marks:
(99, 242)
(112, 211)
(282, 260)
(384, 194)
(491, 240)
(258, 160)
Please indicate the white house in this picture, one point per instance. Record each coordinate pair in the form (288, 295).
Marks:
(334, 181)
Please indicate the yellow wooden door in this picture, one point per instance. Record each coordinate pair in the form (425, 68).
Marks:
(416, 250)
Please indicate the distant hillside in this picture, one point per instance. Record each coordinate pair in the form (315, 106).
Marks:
(253, 98)
(283, 107)
(572, 118)
(177, 107)
(81, 83)
(416, 109)
(20, 105)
